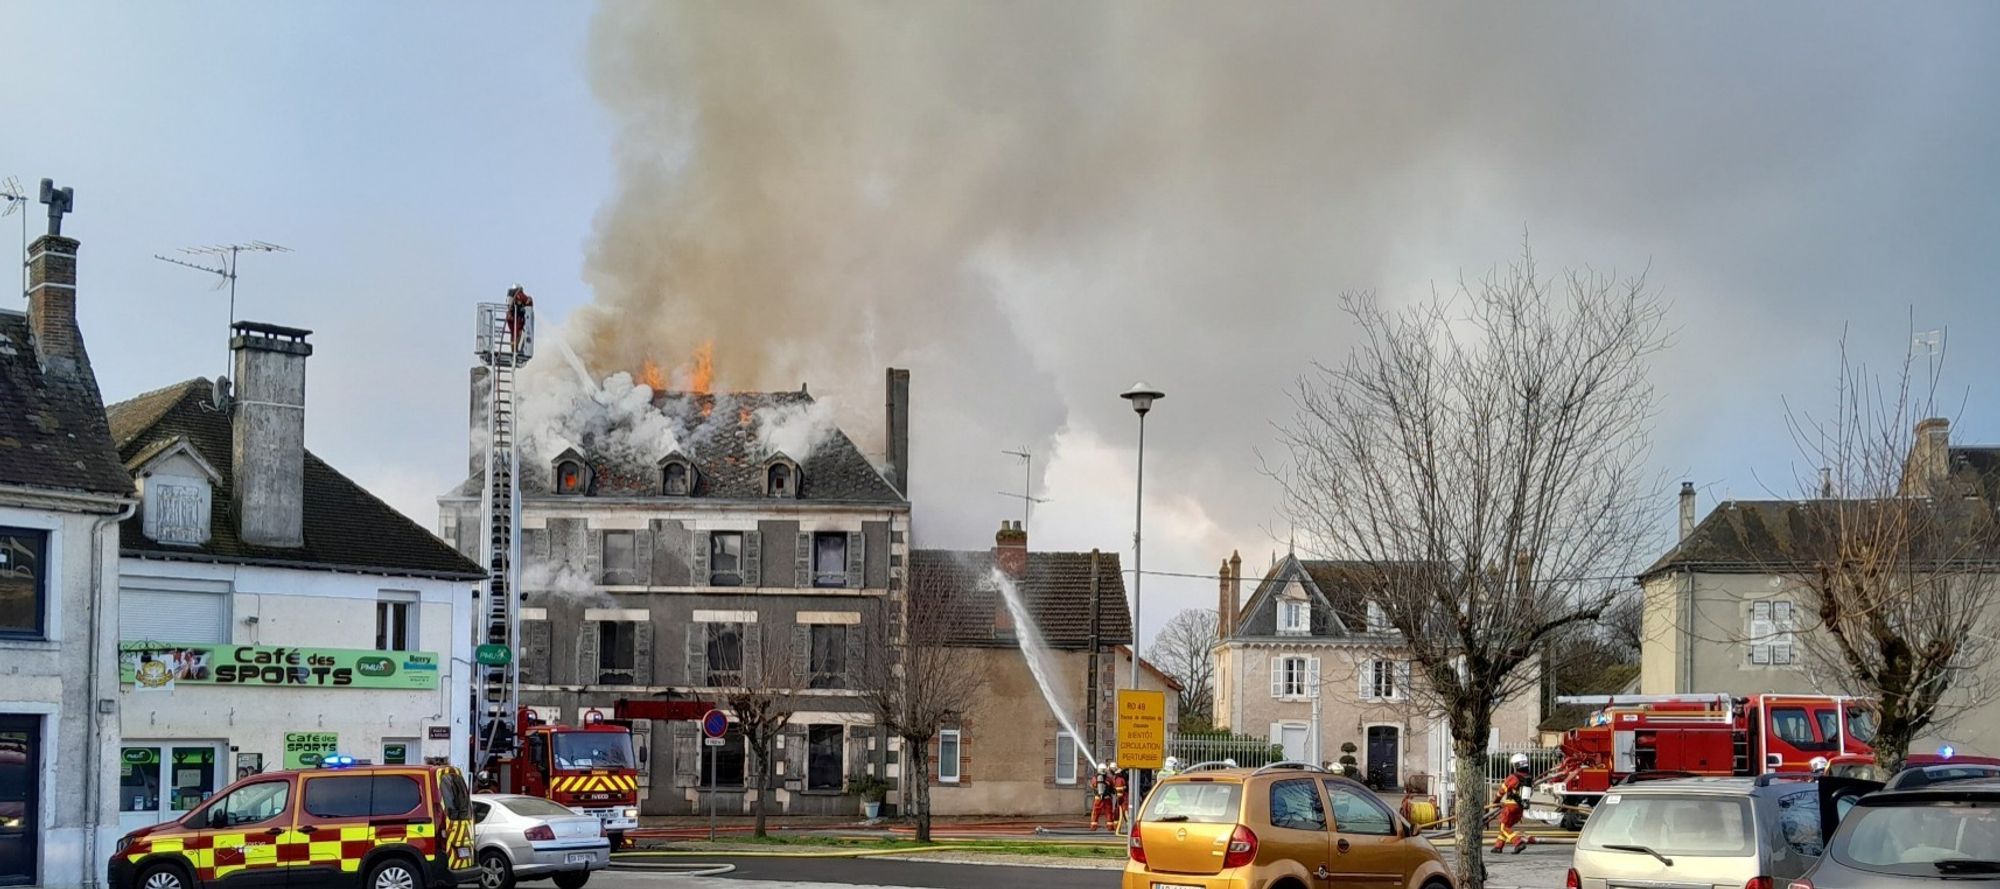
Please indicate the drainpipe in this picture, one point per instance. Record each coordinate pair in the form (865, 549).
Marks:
(95, 759)
(1090, 691)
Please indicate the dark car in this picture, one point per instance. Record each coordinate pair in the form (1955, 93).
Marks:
(1924, 776)
(1909, 838)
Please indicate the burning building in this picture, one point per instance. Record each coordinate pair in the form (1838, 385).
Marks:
(697, 545)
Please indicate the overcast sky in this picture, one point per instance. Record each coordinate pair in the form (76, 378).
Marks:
(1030, 206)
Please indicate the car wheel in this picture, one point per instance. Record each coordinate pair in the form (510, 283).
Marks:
(395, 873)
(573, 879)
(163, 876)
(495, 871)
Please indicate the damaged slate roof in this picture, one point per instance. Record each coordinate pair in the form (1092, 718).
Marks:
(346, 527)
(1055, 590)
(1760, 536)
(52, 432)
(718, 435)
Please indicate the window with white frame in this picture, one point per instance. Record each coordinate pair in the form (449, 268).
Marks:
(1294, 616)
(1773, 633)
(1378, 620)
(948, 756)
(1295, 676)
(1384, 680)
(1065, 758)
(396, 622)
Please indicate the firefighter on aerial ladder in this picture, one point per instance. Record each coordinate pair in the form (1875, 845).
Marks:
(1513, 800)
(518, 304)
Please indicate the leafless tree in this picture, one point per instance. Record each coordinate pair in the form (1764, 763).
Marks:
(1625, 622)
(1482, 452)
(762, 698)
(916, 680)
(1893, 553)
(1185, 650)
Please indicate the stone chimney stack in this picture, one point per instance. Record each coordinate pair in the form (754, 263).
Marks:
(1010, 549)
(52, 307)
(1687, 509)
(1224, 614)
(268, 429)
(1235, 588)
(898, 430)
(1930, 458)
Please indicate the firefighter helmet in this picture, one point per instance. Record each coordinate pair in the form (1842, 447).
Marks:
(1519, 760)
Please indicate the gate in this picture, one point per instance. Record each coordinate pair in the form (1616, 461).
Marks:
(1247, 750)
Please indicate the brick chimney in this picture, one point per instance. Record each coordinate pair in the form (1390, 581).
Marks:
(52, 308)
(897, 430)
(1010, 549)
(268, 429)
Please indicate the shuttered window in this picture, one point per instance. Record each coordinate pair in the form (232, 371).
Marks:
(1772, 633)
(172, 616)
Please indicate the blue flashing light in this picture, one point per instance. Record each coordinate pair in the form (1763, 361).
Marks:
(336, 761)
(1946, 752)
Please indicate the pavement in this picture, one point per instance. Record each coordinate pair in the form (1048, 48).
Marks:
(1540, 867)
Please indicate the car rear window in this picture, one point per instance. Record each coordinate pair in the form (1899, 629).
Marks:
(1912, 839)
(1670, 825)
(534, 808)
(1194, 802)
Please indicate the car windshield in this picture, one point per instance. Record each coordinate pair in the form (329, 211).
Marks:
(1919, 839)
(1194, 802)
(1669, 825)
(592, 750)
(535, 807)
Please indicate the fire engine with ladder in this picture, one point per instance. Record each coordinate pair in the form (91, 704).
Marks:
(589, 767)
(1636, 737)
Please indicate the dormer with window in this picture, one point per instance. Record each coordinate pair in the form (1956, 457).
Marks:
(781, 478)
(176, 490)
(572, 473)
(1294, 616)
(677, 476)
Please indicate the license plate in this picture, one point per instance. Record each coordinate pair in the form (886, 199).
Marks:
(579, 858)
(1173, 886)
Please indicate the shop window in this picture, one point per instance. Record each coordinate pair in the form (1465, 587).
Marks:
(828, 661)
(396, 623)
(726, 760)
(823, 743)
(23, 582)
(725, 558)
(829, 559)
(20, 798)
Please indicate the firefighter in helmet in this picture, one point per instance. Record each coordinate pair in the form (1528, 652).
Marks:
(1102, 799)
(1513, 802)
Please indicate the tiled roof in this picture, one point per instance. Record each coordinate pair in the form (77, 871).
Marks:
(1055, 590)
(719, 436)
(52, 430)
(346, 527)
(1762, 536)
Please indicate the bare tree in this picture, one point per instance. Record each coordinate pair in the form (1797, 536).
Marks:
(918, 681)
(1482, 453)
(1625, 622)
(1894, 554)
(762, 696)
(1185, 650)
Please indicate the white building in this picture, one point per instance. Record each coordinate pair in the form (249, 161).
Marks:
(271, 609)
(62, 491)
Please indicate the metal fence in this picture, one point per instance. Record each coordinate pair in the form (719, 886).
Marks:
(1541, 760)
(1249, 751)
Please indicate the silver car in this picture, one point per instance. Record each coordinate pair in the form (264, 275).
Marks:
(1756, 833)
(530, 838)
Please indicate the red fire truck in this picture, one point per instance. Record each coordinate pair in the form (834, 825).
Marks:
(590, 768)
(1692, 735)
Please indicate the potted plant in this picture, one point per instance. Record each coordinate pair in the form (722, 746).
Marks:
(1348, 764)
(872, 791)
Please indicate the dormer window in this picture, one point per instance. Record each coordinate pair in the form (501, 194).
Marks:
(176, 488)
(781, 478)
(1294, 616)
(572, 474)
(1378, 620)
(676, 477)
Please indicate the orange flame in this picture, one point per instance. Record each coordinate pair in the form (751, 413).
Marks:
(702, 375)
(650, 374)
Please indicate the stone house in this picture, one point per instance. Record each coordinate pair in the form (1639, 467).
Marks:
(248, 549)
(62, 491)
(716, 566)
(1313, 665)
(1010, 754)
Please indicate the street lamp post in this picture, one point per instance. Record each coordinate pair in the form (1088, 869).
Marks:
(1142, 397)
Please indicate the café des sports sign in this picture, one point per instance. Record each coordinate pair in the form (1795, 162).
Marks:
(163, 665)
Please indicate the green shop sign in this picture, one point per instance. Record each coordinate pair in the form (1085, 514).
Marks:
(163, 665)
(304, 750)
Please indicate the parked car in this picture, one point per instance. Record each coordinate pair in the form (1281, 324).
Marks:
(530, 838)
(1752, 832)
(1285, 823)
(1909, 838)
(1864, 768)
(1924, 776)
(339, 827)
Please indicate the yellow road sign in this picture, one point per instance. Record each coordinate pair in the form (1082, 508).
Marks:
(1142, 729)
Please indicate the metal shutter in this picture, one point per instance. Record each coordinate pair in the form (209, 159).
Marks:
(171, 616)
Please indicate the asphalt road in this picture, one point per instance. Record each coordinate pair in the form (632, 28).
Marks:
(863, 872)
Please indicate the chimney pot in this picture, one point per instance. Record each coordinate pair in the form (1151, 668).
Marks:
(1687, 509)
(268, 432)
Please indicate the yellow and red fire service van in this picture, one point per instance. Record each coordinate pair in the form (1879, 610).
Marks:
(340, 827)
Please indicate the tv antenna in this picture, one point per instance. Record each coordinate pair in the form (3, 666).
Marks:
(1027, 495)
(10, 191)
(1931, 343)
(224, 270)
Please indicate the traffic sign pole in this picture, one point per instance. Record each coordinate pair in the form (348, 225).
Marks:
(714, 725)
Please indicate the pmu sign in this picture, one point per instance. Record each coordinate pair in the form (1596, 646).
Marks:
(1142, 728)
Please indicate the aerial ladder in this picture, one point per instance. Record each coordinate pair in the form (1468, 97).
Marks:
(504, 340)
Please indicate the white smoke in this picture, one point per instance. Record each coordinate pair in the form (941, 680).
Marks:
(566, 580)
(795, 430)
(614, 420)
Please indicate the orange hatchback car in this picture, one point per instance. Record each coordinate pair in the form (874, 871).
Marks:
(1283, 826)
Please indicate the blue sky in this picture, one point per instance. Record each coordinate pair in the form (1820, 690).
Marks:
(1029, 204)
